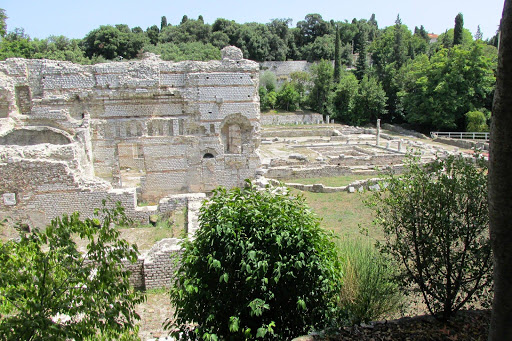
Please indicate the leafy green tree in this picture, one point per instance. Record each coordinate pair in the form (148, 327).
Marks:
(389, 52)
(439, 92)
(153, 33)
(21, 48)
(300, 81)
(476, 121)
(312, 27)
(188, 31)
(260, 267)
(370, 102)
(288, 98)
(445, 40)
(59, 48)
(268, 80)
(321, 48)
(279, 36)
(321, 78)
(344, 99)
(436, 225)
(111, 42)
(254, 41)
(457, 31)
(228, 27)
(51, 291)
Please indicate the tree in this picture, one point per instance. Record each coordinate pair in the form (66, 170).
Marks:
(321, 77)
(370, 102)
(163, 22)
(362, 60)
(337, 57)
(288, 98)
(260, 267)
(439, 92)
(3, 25)
(478, 35)
(399, 55)
(152, 33)
(312, 27)
(476, 122)
(500, 185)
(344, 99)
(51, 291)
(457, 31)
(111, 42)
(435, 222)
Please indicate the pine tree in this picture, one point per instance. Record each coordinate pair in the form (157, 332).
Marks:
(337, 57)
(457, 31)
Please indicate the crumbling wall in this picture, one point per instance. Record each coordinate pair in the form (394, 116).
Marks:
(168, 121)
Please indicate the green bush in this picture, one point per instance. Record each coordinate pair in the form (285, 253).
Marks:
(436, 225)
(49, 290)
(369, 291)
(260, 266)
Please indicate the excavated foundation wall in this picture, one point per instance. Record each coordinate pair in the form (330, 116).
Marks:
(67, 131)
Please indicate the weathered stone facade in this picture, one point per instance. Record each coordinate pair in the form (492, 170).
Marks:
(67, 131)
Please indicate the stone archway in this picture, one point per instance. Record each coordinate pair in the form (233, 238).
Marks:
(236, 132)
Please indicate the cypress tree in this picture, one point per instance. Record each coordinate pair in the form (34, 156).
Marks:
(457, 31)
(398, 48)
(163, 23)
(337, 57)
(362, 60)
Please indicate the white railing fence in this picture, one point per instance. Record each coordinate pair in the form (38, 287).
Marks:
(460, 135)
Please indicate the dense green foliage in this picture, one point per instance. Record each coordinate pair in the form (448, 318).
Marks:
(369, 290)
(436, 225)
(439, 91)
(260, 267)
(51, 291)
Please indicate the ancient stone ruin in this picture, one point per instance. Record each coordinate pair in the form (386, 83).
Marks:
(74, 135)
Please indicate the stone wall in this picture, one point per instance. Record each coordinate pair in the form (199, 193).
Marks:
(67, 131)
(467, 144)
(285, 68)
(297, 118)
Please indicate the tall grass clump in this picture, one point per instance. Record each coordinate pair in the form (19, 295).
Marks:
(368, 291)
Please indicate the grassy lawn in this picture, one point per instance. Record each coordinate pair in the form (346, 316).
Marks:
(343, 213)
(337, 181)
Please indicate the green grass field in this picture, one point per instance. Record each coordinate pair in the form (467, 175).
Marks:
(342, 212)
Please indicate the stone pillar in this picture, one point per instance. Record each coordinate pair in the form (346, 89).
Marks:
(400, 145)
(327, 119)
(378, 133)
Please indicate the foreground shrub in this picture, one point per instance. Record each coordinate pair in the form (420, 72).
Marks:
(369, 291)
(435, 221)
(260, 266)
(51, 291)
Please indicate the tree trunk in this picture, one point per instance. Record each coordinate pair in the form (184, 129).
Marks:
(500, 185)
